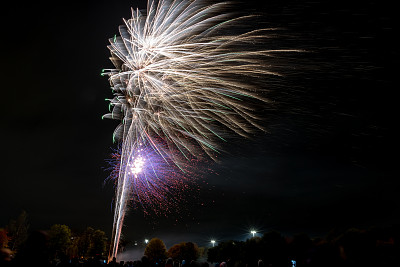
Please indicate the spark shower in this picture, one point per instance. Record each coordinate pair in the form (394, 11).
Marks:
(183, 82)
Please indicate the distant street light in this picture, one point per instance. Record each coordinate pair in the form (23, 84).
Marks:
(253, 232)
(213, 242)
(146, 241)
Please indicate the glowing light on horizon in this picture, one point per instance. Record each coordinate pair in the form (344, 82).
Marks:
(213, 242)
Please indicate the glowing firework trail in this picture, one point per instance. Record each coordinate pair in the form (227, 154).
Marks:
(151, 182)
(179, 79)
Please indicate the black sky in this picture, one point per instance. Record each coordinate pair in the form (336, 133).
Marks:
(328, 160)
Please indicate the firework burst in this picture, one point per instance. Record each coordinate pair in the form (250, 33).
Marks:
(182, 83)
(157, 185)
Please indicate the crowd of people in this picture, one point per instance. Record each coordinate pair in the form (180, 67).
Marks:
(144, 262)
(7, 260)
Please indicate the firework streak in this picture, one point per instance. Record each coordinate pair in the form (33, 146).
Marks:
(181, 85)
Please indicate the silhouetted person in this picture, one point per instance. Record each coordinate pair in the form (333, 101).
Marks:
(113, 263)
(64, 262)
(192, 263)
(145, 261)
(169, 263)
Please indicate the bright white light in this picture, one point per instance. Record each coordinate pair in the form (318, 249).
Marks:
(146, 241)
(137, 165)
(253, 232)
(213, 242)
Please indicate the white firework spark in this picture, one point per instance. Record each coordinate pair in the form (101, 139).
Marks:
(181, 78)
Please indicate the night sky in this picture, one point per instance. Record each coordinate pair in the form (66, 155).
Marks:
(328, 159)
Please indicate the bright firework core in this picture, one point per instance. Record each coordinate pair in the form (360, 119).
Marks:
(137, 166)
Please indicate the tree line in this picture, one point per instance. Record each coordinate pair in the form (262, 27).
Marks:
(348, 247)
(156, 252)
(56, 243)
(351, 247)
(60, 243)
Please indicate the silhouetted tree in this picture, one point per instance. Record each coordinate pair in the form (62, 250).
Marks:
(174, 252)
(202, 252)
(357, 247)
(274, 249)
(73, 249)
(253, 250)
(3, 238)
(299, 248)
(98, 244)
(324, 253)
(184, 251)
(18, 231)
(213, 254)
(91, 243)
(155, 250)
(233, 250)
(190, 251)
(59, 240)
(84, 242)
